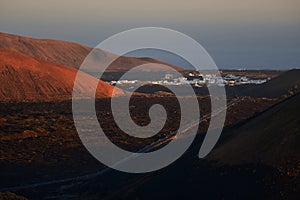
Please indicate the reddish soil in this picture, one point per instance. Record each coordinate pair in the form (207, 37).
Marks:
(23, 78)
(70, 54)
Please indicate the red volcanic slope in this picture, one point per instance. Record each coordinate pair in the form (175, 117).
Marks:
(23, 78)
(69, 53)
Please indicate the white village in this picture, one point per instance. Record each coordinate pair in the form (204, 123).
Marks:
(196, 80)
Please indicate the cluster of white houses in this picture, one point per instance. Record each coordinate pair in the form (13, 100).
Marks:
(195, 80)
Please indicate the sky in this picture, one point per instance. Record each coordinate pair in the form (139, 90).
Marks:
(252, 34)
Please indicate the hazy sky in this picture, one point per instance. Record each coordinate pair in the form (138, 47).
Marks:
(237, 33)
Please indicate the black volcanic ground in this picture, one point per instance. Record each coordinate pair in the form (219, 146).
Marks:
(256, 159)
(257, 156)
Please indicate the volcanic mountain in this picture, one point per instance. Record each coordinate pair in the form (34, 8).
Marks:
(271, 138)
(72, 54)
(23, 78)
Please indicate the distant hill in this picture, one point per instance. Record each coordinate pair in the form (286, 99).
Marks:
(276, 87)
(272, 138)
(69, 53)
(23, 78)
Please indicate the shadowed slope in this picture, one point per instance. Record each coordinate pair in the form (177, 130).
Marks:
(272, 138)
(276, 87)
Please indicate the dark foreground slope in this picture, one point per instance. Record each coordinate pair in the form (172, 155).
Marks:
(272, 138)
(260, 160)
